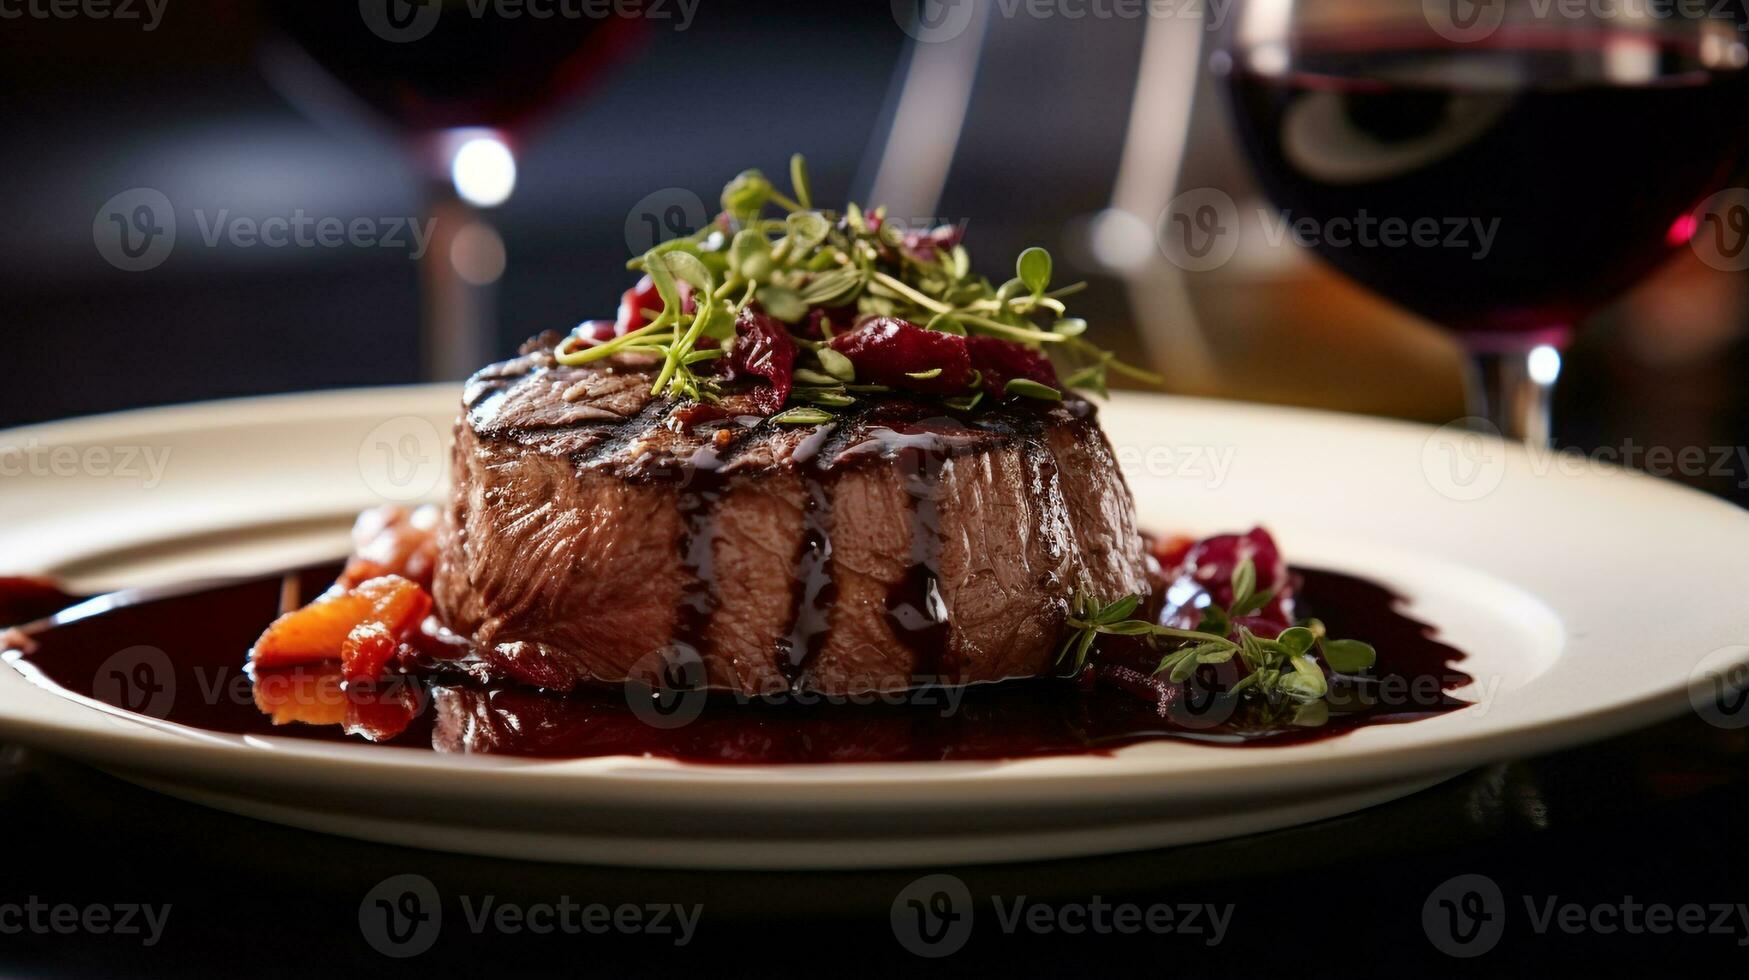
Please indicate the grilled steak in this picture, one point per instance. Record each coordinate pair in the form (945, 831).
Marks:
(595, 533)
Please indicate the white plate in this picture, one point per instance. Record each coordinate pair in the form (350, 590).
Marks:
(1587, 598)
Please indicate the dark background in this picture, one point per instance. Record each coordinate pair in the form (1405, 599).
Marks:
(91, 109)
(197, 109)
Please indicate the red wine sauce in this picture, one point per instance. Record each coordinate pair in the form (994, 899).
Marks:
(204, 637)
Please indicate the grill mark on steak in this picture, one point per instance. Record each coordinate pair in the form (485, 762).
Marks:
(816, 587)
(1045, 483)
(703, 485)
(699, 503)
(633, 432)
(915, 609)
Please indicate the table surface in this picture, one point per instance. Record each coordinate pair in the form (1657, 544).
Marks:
(1651, 818)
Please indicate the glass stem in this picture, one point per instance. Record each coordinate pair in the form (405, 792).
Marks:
(1509, 391)
(455, 335)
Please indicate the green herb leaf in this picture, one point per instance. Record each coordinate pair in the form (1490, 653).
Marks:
(1120, 609)
(1296, 640)
(1183, 669)
(663, 278)
(1210, 653)
(945, 323)
(835, 398)
(1349, 656)
(1028, 388)
(1299, 686)
(1307, 680)
(783, 304)
(1311, 714)
(1034, 269)
(834, 287)
(688, 269)
(1244, 583)
(798, 180)
(807, 229)
(750, 256)
(721, 325)
(1125, 627)
(960, 262)
(1251, 604)
(802, 416)
(1083, 648)
(747, 194)
(836, 364)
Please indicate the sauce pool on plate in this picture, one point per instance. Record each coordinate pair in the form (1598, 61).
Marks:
(182, 659)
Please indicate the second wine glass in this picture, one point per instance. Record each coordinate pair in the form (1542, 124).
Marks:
(1500, 168)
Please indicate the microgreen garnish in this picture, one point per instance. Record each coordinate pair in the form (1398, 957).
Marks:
(802, 416)
(1027, 388)
(821, 269)
(1282, 670)
(835, 364)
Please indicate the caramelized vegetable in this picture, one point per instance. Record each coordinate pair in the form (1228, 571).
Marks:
(310, 697)
(360, 627)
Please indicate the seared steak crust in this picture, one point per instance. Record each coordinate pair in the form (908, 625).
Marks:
(595, 533)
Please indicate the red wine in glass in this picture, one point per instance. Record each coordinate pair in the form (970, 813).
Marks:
(1547, 171)
(430, 65)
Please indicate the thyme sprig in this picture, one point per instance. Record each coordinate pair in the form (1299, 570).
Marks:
(1280, 669)
(810, 259)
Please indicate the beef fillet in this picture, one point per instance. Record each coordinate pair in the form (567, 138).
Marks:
(595, 533)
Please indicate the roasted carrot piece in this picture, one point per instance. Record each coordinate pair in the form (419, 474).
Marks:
(360, 627)
(311, 697)
(312, 634)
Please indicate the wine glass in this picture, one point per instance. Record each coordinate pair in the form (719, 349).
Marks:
(1499, 167)
(457, 85)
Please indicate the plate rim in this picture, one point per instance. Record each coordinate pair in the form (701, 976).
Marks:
(1368, 762)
